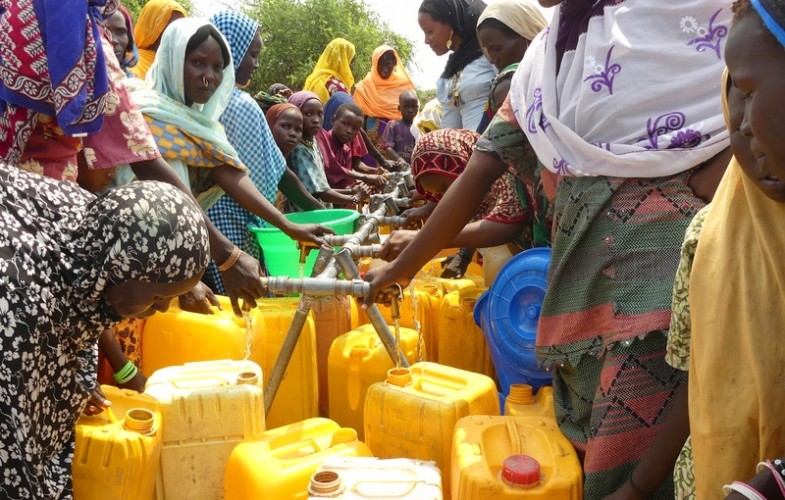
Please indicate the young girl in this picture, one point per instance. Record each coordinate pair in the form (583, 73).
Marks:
(306, 161)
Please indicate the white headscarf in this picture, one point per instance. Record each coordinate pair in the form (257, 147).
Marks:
(638, 96)
(521, 16)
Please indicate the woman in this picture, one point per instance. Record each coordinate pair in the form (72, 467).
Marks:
(377, 93)
(248, 131)
(153, 19)
(632, 175)
(122, 29)
(462, 90)
(333, 70)
(73, 265)
(438, 159)
(192, 81)
(505, 30)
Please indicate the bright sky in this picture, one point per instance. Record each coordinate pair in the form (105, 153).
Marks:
(401, 16)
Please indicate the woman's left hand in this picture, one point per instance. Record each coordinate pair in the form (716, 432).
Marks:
(309, 233)
(199, 300)
(396, 243)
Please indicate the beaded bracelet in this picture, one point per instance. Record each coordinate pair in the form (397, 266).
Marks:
(231, 260)
(126, 373)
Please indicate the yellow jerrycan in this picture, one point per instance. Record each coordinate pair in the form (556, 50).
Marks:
(461, 341)
(522, 401)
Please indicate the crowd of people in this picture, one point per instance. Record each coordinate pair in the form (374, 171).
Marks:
(640, 141)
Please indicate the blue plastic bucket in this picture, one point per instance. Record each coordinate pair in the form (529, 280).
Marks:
(508, 314)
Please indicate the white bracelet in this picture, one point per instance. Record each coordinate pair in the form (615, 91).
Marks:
(743, 489)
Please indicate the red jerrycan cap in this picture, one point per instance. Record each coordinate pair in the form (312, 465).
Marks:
(521, 470)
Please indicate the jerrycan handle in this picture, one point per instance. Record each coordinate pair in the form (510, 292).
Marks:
(297, 448)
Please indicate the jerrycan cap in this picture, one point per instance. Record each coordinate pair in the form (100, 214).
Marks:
(522, 394)
(344, 435)
(521, 470)
(140, 420)
(325, 483)
(248, 378)
(360, 350)
(399, 376)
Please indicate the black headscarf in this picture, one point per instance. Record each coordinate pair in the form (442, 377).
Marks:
(462, 16)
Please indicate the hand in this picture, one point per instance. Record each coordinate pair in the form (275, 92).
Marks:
(376, 181)
(401, 165)
(416, 216)
(361, 190)
(455, 266)
(96, 403)
(383, 280)
(199, 300)
(137, 383)
(387, 164)
(308, 232)
(243, 281)
(396, 243)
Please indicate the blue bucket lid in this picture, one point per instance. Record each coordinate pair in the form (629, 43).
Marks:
(517, 293)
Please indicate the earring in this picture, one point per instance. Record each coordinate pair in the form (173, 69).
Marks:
(449, 41)
(204, 81)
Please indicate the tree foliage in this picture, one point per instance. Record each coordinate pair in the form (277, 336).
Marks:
(296, 31)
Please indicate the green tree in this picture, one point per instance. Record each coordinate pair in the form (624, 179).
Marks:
(296, 31)
(134, 6)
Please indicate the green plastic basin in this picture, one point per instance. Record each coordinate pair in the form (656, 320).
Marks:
(281, 255)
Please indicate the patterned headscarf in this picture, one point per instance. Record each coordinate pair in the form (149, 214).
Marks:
(462, 16)
(60, 251)
(442, 152)
(335, 62)
(51, 62)
(239, 31)
(300, 98)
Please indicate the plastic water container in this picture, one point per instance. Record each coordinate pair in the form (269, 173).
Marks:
(493, 259)
(175, 337)
(461, 342)
(280, 464)
(433, 269)
(281, 255)
(496, 458)
(298, 395)
(208, 408)
(521, 401)
(118, 451)
(357, 360)
(412, 414)
(333, 316)
(359, 477)
(508, 314)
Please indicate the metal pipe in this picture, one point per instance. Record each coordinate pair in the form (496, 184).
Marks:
(323, 259)
(366, 251)
(317, 287)
(344, 259)
(394, 221)
(392, 207)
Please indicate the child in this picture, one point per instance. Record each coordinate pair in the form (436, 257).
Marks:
(397, 139)
(305, 160)
(342, 164)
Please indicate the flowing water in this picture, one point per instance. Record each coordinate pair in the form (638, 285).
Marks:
(248, 320)
(397, 327)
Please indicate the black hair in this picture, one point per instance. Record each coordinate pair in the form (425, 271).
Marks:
(740, 8)
(499, 26)
(202, 34)
(462, 17)
(348, 107)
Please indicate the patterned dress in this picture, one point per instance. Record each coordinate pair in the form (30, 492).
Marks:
(60, 250)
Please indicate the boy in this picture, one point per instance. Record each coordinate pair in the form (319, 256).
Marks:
(397, 139)
(342, 164)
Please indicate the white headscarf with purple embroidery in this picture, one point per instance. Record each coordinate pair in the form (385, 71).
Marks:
(636, 95)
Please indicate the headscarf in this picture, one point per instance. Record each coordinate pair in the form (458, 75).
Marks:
(735, 420)
(133, 59)
(276, 88)
(239, 31)
(442, 152)
(521, 16)
(188, 134)
(51, 62)
(276, 111)
(62, 248)
(462, 16)
(266, 101)
(378, 97)
(300, 98)
(589, 118)
(334, 62)
(152, 21)
(333, 103)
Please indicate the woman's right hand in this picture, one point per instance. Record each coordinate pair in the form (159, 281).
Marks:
(243, 281)
(376, 180)
(383, 282)
(396, 243)
(311, 233)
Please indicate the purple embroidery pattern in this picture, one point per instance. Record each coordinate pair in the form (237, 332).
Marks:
(533, 110)
(602, 145)
(687, 139)
(661, 125)
(708, 38)
(561, 166)
(605, 75)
